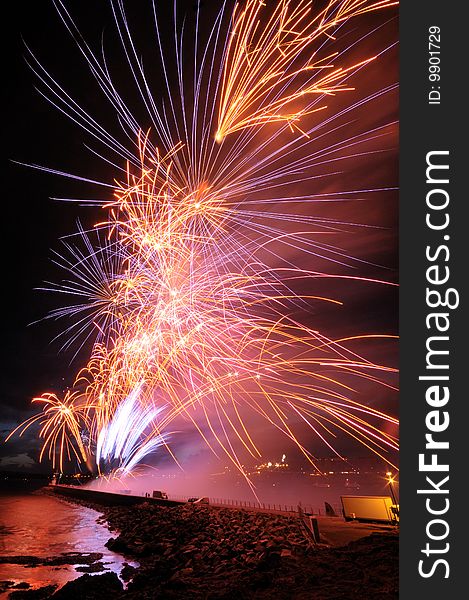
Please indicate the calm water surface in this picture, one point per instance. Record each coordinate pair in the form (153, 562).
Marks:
(45, 526)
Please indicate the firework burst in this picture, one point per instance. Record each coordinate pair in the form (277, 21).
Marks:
(185, 287)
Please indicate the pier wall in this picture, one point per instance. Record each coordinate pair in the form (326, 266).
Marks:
(108, 498)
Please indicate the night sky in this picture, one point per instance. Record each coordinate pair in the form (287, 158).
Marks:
(34, 132)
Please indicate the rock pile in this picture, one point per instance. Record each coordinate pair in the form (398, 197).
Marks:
(195, 540)
(196, 552)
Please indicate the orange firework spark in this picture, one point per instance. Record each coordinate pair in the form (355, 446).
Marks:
(62, 422)
(261, 77)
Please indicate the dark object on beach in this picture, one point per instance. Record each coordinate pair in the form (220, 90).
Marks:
(39, 594)
(127, 572)
(66, 558)
(12, 586)
(330, 512)
(91, 587)
(117, 545)
(97, 567)
(160, 495)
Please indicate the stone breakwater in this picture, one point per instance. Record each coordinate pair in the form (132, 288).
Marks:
(197, 552)
(209, 553)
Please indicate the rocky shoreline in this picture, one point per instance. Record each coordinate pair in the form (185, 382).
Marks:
(201, 552)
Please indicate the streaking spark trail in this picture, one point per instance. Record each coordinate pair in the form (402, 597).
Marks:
(189, 287)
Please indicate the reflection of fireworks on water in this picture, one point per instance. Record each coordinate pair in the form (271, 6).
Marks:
(184, 287)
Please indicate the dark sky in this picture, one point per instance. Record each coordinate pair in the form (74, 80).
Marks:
(34, 132)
